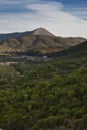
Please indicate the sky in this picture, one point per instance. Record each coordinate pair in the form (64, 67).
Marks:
(67, 18)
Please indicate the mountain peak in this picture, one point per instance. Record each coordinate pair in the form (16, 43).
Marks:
(42, 31)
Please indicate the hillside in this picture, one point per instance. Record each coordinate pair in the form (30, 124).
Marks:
(38, 40)
(46, 95)
(73, 52)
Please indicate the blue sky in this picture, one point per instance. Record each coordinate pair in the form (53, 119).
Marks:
(62, 17)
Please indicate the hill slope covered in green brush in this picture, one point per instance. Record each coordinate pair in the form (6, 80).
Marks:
(45, 95)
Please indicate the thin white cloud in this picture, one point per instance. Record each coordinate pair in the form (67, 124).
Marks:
(78, 11)
(49, 15)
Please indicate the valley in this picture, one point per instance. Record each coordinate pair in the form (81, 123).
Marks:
(41, 88)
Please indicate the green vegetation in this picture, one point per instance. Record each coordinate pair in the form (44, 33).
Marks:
(40, 99)
(45, 95)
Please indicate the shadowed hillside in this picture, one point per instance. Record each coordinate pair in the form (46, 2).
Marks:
(76, 51)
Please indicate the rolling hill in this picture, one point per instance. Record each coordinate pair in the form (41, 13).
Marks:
(75, 51)
(39, 40)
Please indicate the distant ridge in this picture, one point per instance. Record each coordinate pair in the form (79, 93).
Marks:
(38, 31)
(12, 35)
(38, 40)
